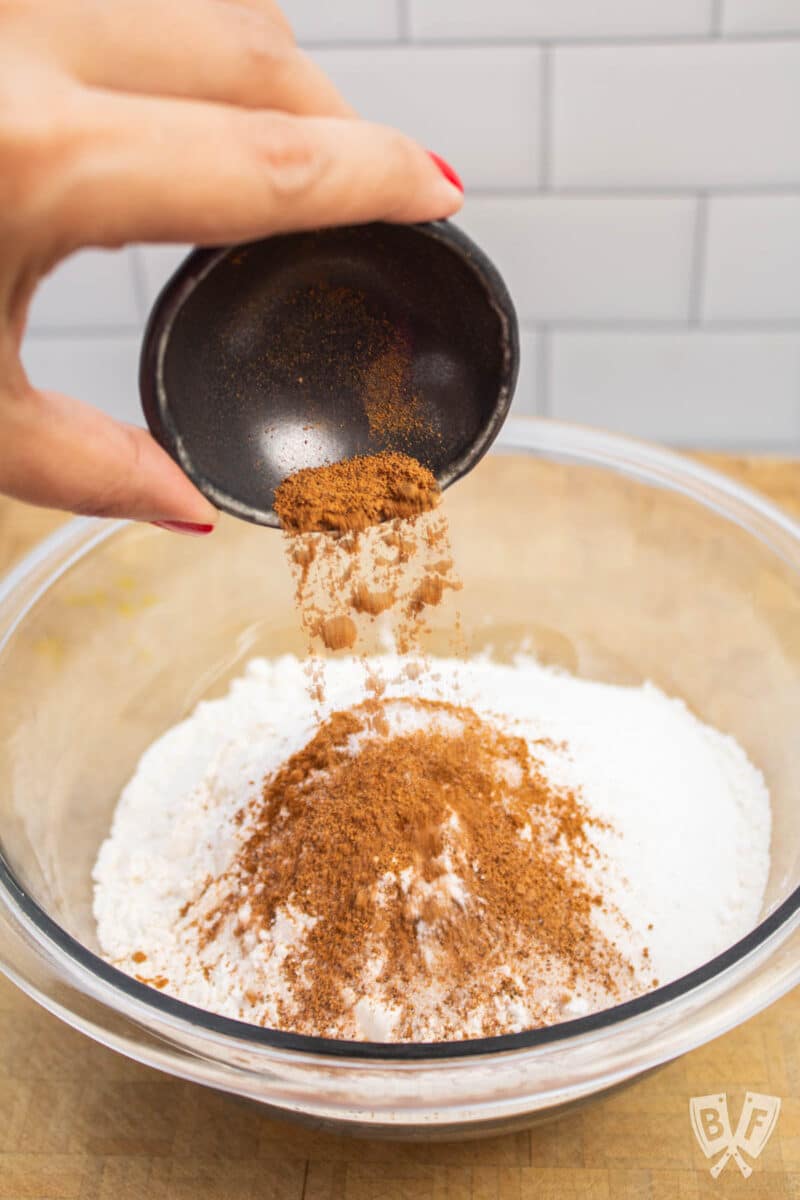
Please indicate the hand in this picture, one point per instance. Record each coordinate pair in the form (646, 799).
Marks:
(162, 120)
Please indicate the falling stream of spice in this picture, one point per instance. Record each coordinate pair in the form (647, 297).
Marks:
(366, 537)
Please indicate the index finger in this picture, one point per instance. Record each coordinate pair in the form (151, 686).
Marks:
(186, 171)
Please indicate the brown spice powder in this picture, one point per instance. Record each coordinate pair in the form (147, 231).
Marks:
(359, 830)
(352, 495)
(374, 603)
(393, 414)
(366, 537)
(339, 633)
(377, 368)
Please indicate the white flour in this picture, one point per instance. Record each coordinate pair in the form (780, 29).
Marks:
(684, 863)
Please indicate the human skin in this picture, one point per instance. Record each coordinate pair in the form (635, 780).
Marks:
(163, 121)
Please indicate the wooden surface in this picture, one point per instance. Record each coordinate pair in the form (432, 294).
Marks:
(78, 1121)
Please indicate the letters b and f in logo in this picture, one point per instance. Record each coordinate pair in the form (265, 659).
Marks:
(712, 1128)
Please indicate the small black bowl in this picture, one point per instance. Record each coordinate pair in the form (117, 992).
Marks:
(286, 353)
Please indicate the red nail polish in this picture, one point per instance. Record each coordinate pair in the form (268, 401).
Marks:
(447, 171)
(194, 530)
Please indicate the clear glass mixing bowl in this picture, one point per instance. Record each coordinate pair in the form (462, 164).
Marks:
(611, 558)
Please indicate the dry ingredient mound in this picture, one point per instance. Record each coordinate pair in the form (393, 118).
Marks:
(365, 537)
(411, 869)
(427, 858)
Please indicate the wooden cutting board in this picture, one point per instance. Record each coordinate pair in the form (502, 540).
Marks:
(78, 1121)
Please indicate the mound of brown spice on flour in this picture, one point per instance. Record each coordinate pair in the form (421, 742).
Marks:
(442, 879)
(365, 537)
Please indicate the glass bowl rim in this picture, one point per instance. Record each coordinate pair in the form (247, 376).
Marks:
(627, 456)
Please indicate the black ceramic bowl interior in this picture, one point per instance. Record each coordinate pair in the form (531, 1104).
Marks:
(308, 348)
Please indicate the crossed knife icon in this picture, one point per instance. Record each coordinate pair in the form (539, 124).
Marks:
(712, 1128)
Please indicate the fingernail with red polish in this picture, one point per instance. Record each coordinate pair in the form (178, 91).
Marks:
(184, 527)
(447, 171)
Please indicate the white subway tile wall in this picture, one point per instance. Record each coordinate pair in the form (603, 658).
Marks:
(589, 258)
(752, 259)
(745, 384)
(633, 167)
(760, 16)
(100, 369)
(447, 20)
(528, 400)
(96, 289)
(344, 20)
(155, 265)
(713, 114)
(478, 106)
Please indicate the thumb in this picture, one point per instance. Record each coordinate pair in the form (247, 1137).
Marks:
(58, 452)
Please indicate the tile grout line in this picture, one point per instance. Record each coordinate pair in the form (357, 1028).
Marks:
(716, 17)
(509, 42)
(697, 269)
(545, 119)
(624, 325)
(633, 191)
